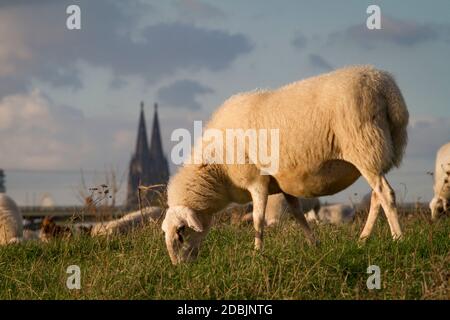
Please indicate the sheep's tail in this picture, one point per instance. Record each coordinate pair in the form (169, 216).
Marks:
(398, 118)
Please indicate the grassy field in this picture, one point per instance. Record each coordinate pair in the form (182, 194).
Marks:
(136, 266)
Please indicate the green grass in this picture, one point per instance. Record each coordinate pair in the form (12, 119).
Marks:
(136, 266)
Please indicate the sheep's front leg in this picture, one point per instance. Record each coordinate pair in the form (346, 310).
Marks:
(259, 193)
(298, 214)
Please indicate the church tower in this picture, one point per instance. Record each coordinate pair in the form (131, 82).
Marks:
(159, 167)
(148, 165)
(2, 182)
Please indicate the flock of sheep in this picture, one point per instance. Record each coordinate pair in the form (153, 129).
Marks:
(333, 128)
(13, 231)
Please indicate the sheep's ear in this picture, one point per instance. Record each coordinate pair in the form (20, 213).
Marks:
(168, 221)
(189, 217)
(193, 222)
(179, 216)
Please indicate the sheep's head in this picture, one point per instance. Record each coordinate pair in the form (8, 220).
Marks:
(438, 207)
(184, 232)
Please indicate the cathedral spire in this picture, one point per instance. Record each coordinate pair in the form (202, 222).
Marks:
(156, 150)
(148, 165)
(160, 167)
(2, 182)
(142, 140)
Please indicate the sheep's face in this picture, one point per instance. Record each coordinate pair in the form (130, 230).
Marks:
(184, 231)
(438, 208)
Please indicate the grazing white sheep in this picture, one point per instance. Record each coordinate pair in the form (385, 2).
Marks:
(11, 225)
(277, 207)
(441, 200)
(128, 222)
(332, 129)
(332, 214)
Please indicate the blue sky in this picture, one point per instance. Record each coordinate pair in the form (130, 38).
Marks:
(69, 100)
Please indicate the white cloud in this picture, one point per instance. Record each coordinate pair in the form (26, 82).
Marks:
(39, 135)
(33, 134)
(13, 50)
(106, 41)
(124, 139)
(25, 112)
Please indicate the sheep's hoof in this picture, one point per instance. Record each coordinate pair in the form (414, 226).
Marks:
(363, 239)
(258, 245)
(258, 241)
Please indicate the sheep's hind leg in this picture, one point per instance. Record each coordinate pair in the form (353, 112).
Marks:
(386, 196)
(259, 195)
(297, 212)
(372, 217)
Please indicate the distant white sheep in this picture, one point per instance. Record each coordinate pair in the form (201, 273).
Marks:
(127, 223)
(31, 235)
(440, 203)
(11, 225)
(332, 214)
(277, 207)
(364, 204)
(333, 128)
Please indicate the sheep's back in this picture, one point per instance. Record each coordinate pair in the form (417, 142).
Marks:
(317, 117)
(329, 126)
